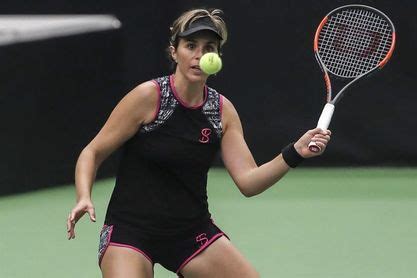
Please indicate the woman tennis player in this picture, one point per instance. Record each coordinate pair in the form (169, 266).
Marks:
(170, 129)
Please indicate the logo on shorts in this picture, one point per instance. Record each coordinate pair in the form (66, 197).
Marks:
(205, 135)
(201, 238)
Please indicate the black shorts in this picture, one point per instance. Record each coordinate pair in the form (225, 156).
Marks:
(173, 253)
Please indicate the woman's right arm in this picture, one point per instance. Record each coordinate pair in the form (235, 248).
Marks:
(138, 107)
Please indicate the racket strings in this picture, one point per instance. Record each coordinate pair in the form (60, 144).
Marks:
(353, 42)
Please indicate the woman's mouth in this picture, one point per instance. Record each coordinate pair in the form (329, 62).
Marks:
(196, 68)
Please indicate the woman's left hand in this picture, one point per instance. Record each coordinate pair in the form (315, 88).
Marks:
(321, 137)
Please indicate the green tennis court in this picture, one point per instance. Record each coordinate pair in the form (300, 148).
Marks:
(342, 222)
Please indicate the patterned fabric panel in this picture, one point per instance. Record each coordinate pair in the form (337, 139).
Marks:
(167, 105)
(211, 110)
(105, 237)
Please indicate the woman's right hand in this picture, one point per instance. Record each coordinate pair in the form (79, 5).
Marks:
(83, 206)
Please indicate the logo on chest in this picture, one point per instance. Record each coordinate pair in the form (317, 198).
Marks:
(205, 135)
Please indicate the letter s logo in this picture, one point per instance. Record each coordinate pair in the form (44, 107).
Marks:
(205, 135)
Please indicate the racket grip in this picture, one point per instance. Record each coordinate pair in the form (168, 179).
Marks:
(323, 123)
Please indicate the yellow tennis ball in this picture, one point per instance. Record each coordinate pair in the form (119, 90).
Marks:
(210, 63)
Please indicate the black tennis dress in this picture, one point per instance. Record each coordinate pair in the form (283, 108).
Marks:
(162, 178)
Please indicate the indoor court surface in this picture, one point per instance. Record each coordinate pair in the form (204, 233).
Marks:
(324, 223)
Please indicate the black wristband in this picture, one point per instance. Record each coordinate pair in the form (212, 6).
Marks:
(291, 156)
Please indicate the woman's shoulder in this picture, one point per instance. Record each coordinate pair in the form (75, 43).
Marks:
(146, 89)
(143, 99)
(230, 115)
(146, 93)
(226, 103)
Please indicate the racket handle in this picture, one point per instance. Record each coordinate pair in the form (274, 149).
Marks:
(323, 123)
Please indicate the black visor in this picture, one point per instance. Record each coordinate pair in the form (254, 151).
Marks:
(204, 23)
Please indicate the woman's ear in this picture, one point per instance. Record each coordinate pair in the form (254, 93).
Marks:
(173, 52)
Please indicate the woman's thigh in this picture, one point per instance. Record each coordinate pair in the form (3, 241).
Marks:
(220, 259)
(125, 262)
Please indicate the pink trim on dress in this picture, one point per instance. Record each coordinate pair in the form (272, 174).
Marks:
(221, 105)
(159, 100)
(133, 248)
(174, 90)
(201, 249)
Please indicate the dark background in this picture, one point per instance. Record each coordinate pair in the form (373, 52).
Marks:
(56, 94)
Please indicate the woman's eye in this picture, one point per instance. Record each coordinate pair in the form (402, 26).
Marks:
(190, 46)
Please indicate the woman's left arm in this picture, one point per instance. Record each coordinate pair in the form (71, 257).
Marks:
(250, 178)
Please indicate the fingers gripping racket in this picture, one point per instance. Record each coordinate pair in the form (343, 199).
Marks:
(350, 43)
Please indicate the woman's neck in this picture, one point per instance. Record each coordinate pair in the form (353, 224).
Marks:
(192, 93)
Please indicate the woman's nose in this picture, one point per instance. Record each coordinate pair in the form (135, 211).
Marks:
(199, 52)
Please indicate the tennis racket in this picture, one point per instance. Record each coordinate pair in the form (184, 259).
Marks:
(350, 43)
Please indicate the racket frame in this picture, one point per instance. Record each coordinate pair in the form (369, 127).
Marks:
(327, 113)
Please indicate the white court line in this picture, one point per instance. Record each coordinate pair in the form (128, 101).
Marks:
(24, 28)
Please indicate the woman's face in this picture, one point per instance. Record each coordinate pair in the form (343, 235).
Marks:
(188, 54)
